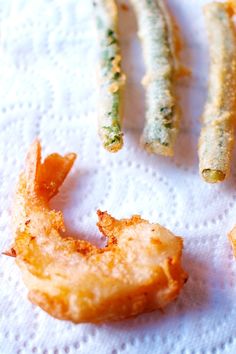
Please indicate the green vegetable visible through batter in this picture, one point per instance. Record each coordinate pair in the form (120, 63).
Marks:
(162, 115)
(110, 75)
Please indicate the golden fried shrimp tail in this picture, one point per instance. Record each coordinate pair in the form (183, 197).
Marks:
(138, 271)
(217, 135)
(46, 178)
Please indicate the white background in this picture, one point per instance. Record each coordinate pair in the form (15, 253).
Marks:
(48, 61)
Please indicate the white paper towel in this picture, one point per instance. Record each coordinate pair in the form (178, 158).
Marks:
(48, 54)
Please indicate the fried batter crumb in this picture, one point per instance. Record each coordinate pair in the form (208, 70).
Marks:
(139, 270)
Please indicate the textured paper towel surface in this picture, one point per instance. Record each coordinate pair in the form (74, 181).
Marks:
(48, 89)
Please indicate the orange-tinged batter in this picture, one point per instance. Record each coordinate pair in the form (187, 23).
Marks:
(139, 270)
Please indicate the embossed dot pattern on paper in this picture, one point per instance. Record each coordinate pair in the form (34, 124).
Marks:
(48, 88)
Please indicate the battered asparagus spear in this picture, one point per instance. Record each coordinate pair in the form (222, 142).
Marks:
(111, 77)
(162, 116)
(216, 139)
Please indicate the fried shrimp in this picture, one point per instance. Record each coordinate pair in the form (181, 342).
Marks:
(217, 135)
(139, 270)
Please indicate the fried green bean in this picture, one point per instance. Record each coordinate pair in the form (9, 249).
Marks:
(217, 135)
(111, 77)
(162, 114)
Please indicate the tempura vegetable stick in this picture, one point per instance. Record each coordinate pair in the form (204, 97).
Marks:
(216, 139)
(162, 116)
(110, 75)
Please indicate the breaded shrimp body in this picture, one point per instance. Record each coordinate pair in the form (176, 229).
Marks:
(139, 270)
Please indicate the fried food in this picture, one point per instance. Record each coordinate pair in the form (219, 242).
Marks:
(232, 238)
(217, 135)
(156, 29)
(111, 76)
(139, 270)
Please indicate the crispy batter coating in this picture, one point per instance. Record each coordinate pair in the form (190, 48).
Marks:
(139, 270)
(111, 77)
(219, 116)
(232, 238)
(157, 32)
